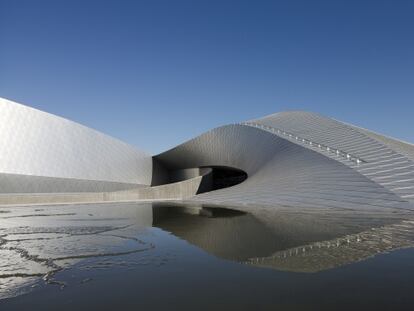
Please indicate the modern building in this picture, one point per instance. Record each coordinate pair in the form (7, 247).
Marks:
(44, 153)
(286, 159)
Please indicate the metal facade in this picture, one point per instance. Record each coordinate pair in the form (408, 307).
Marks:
(63, 156)
(291, 159)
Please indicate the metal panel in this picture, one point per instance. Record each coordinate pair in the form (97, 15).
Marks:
(36, 143)
(280, 172)
(384, 160)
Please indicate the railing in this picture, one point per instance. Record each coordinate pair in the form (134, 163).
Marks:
(304, 141)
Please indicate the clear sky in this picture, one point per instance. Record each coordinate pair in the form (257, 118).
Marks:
(156, 73)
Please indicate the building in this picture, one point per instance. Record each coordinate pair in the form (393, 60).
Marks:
(288, 159)
(44, 153)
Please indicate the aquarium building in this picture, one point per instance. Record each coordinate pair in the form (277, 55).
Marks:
(288, 158)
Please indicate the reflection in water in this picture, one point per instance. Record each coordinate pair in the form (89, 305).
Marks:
(223, 232)
(328, 254)
(245, 238)
(38, 243)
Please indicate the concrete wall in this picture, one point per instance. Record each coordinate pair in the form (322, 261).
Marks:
(13, 183)
(179, 190)
(174, 191)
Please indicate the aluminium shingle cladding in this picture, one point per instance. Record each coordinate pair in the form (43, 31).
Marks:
(384, 160)
(284, 171)
(291, 159)
(38, 144)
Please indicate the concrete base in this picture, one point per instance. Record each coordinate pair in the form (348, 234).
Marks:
(175, 191)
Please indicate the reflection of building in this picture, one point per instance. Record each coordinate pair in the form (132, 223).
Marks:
(225, 233)
(351, 248)
(291, 159)
(291, 244)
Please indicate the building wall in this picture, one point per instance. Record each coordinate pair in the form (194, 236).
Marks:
(280, 172)
(384, 160)
(65, 155)
(291, 159)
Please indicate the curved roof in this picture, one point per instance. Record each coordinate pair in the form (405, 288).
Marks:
(283, 171)
(384, 160)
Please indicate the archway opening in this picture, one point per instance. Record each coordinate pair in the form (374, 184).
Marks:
(223, 177)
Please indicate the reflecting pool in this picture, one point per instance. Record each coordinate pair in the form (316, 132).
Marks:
(197, 257)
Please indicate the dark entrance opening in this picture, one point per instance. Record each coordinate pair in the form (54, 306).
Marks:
(223, 177)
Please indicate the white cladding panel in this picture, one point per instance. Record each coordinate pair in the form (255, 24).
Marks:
(33, 142)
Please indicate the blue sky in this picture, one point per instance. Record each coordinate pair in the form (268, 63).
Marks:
(156, 73)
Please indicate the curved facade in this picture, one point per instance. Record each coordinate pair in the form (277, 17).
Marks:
(281, 171)
(41, 152)
(289, 158)
(384, 160)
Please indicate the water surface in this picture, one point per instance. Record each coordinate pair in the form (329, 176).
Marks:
(170, 256)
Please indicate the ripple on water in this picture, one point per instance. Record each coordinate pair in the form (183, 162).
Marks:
(30, 253)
